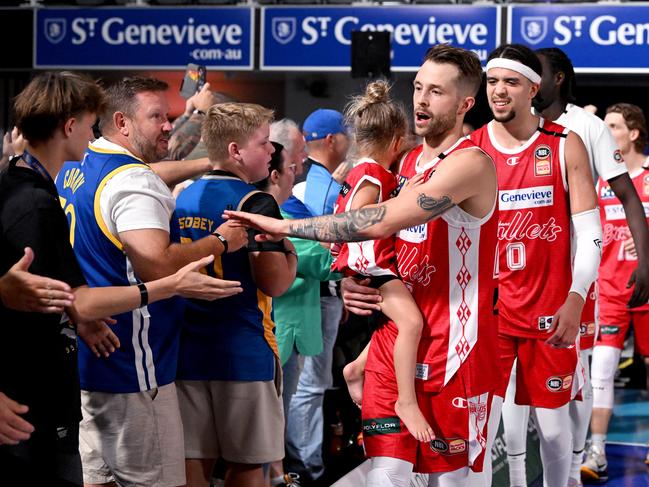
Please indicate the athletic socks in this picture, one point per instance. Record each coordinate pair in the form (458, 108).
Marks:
(575, 466)
(517, 475)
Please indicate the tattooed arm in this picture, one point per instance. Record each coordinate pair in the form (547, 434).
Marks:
(466, 178)
(357, 225)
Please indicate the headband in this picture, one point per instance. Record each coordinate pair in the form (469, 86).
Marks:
(501, 62)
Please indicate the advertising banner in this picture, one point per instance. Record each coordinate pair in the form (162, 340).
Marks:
(319, 38)
(608, 38)
(144, 38)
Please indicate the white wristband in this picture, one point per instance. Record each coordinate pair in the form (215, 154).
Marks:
(588, 250)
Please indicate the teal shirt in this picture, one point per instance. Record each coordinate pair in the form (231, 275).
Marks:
(297, 311)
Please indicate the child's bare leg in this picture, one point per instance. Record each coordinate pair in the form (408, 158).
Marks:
(354, 374)
(399, 305)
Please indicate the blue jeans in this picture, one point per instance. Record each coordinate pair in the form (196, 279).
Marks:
(291, 373)
(304, 432)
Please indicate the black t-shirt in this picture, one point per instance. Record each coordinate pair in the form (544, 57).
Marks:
(262, 204)
(38, 358)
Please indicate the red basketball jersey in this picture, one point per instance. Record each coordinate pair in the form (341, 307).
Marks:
(617, 264)
(371, 257)
(448, 264)
(535, 271)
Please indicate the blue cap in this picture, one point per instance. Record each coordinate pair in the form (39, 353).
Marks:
(323, 122)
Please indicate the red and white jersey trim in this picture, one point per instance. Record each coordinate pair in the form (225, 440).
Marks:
(517, 150)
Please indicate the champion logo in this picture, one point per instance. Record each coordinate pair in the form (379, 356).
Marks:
(521, 227)
(459, 402)
(512, 161)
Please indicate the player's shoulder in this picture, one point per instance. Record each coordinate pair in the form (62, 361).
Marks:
(414, 152)
(469, 158)
(470, 150)
(479, 133)
(553, 129)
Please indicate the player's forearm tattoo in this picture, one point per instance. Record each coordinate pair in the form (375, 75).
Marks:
(344, 227)
(434, 206)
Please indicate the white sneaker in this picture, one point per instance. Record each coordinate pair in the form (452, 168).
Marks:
(595, 467)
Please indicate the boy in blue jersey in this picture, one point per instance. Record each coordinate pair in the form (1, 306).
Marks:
(120, 211)
(229, 377)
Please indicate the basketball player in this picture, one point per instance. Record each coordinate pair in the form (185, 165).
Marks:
(544, 185)
(447, 243)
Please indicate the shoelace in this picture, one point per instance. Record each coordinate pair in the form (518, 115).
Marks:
(292, 479)
(595, 453)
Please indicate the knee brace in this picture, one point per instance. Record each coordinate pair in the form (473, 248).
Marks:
(603, 367)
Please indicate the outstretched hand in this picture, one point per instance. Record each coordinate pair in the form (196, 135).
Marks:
(191, 283)
(23, 291)
(272, 229)
(13, 428)
(99, 337)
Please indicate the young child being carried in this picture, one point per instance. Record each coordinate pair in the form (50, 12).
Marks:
(379, 127)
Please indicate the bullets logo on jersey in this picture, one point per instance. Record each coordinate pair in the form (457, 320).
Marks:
(543, 161)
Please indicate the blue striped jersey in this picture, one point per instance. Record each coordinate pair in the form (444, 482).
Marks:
(231, 338)
(149, 335)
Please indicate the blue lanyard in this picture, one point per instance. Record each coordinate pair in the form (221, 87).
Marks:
(36, 165)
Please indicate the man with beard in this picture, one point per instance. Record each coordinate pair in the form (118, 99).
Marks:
(445, 255)
(555, 101)
(120, 211)
(544, 186)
